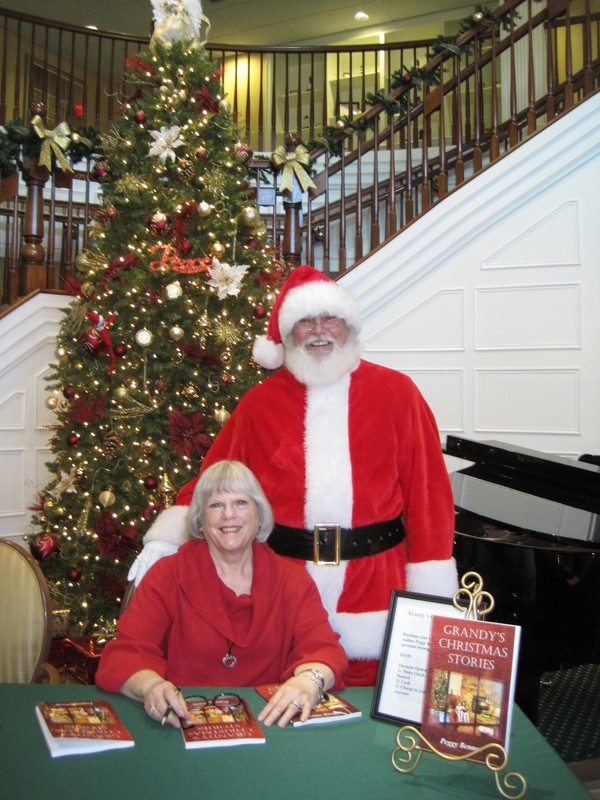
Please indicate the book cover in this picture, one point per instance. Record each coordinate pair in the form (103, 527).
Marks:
(470, 685)
(335, 709)
(89, 726)
(221, 725)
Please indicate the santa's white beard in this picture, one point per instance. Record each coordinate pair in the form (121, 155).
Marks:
(323, 370)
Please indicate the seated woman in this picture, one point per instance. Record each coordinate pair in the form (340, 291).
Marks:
(225, 610)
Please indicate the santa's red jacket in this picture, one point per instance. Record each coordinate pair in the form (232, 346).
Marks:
(361, 451)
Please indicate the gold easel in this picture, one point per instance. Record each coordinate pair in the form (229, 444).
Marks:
(475, 603)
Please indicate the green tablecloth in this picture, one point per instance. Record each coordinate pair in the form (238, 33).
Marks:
(350, 760)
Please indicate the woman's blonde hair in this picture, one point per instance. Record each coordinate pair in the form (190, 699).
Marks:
(228, 476)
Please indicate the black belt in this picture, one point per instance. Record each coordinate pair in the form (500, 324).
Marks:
(330, 544)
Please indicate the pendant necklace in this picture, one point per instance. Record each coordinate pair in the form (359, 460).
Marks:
(229, 660)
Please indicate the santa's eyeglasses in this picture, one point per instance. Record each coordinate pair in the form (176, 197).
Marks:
(308, 324)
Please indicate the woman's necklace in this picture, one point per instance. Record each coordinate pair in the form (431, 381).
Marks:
(229, 660)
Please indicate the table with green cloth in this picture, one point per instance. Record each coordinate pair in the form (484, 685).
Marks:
(349, 759)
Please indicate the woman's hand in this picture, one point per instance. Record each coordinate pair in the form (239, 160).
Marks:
(296, 694)
(162, 700)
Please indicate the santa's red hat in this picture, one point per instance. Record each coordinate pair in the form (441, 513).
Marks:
(305, 293)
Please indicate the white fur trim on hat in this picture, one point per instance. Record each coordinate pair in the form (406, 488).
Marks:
(318, 297)
(436, 578)
(266, 353)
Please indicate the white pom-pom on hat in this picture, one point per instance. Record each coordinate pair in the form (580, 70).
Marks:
(305, 293)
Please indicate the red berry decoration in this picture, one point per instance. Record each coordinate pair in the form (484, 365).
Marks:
(150, 482)
(140, 117)
(74, 573)
(73, 439)
(44, 545)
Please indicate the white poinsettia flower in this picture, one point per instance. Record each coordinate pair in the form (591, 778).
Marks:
(165, 142)
(226, 278)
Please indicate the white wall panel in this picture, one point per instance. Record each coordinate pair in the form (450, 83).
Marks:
(527, 317)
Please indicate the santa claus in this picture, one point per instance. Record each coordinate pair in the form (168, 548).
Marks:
(349, 456)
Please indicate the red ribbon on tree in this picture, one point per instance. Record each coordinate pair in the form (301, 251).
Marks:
(102, 329)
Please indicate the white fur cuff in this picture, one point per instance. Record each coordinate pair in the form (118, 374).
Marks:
(170, 526)
(436, 578)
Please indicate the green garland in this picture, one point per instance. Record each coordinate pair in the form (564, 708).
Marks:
(18, 140)
(482, 18)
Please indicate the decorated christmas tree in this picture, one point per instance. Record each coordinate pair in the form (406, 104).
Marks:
(155, 350)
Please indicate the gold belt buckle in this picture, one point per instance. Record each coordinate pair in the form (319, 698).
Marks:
(337, 544)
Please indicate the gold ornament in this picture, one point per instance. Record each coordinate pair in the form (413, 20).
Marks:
(120, 393)
(340, 124)
(148, 446)
(166, 491)
(250, 216)
(218, 250)
(87, 290)
(260, 232)
(107, 498)
(48, 503)
(221, 415)
(173, 291)
(52, 402)
(81, 262)
(225, 105)
(61, 353)
(176, 333)
(478, 16)
(190, 390)
(204, 208)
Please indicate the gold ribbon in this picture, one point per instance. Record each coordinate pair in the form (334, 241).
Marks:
(55, 141)
(293, 164)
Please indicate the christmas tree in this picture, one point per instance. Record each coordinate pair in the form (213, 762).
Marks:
(155, 350)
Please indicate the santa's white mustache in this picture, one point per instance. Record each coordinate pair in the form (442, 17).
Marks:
(319, 339)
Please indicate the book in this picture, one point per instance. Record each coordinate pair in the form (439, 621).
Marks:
(88, 726)
(221, 725)
(470, 685)
(336, 709)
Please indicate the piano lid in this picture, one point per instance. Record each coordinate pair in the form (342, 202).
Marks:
(513, 485)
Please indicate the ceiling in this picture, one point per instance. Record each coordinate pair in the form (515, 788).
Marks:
(266, 22)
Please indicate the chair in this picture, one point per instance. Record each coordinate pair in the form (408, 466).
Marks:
(25, 618)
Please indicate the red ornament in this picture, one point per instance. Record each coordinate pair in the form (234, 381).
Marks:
(74, 573)
(90, 341)
(150, 482)
(260, 312)
(186, 246)
(140, 117)
(120, 349)
(44, 545)
(69, 392)
(242, 152)
(100, 172)
(160, 225)
(407, 77)
(73, 439)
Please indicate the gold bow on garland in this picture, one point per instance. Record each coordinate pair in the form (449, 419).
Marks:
(55, 141)
(293, 164)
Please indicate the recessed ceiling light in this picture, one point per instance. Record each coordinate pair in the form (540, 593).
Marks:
(361, 16)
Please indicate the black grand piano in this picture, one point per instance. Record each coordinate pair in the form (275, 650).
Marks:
(529, 524)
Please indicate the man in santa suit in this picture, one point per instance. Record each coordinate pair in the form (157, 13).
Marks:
(349, 456)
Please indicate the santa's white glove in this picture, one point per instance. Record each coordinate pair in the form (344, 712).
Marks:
(163, 538)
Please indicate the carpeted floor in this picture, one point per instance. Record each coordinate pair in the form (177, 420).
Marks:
(569, 712)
